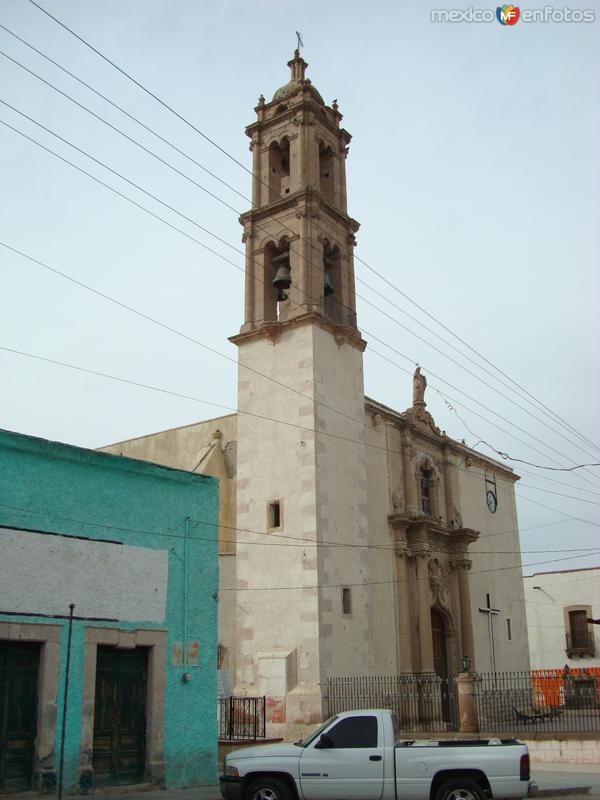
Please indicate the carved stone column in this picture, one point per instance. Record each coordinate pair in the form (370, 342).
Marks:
(425, 635)
(250, 283)
(410, 488)
(257, 177)
(448, 489)
(466, 623)
(405, 659)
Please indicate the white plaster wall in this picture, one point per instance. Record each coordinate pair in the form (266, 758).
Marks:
(180, 448)
(545, 615)
(384, 477)
(496, 567)
(43, 574)
(276, 462)
(321, 481)
(342, 518)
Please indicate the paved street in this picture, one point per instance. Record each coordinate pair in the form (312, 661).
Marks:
(553, 780)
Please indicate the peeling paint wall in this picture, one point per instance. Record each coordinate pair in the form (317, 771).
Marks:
(55, 488)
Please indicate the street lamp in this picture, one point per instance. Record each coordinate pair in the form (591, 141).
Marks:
(466, 661)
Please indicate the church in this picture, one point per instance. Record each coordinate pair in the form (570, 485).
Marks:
(354, 539)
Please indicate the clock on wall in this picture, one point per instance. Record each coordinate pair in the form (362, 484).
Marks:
(492, 501)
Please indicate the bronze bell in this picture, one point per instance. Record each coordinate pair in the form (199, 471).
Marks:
(282, 281)
(327, 287)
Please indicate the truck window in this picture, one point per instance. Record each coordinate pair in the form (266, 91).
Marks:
(354, 732)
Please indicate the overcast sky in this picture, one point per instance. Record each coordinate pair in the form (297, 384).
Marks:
(473, 171)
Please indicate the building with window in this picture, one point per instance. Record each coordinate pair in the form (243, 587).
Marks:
(355, 539)
(132, 547)
(561, 607)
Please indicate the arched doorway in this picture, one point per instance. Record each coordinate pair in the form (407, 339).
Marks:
(440, 660)
(438, 632)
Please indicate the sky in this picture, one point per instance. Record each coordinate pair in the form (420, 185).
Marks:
(473, 170)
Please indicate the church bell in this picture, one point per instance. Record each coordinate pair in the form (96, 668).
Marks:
(282, 281)
(327, 287)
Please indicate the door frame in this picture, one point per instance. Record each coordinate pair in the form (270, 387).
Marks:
(156, 643)
(48, 637)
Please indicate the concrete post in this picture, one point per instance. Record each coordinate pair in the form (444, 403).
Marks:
(467, 708)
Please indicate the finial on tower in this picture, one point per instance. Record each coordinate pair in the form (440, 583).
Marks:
(298, 65)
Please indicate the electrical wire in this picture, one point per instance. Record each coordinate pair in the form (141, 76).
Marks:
(286, 423)
(237, 212)
(168, 206)
(197, 130)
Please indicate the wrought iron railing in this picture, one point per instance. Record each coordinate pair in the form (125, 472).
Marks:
(538, 700)
(241, 718)
(421, 702)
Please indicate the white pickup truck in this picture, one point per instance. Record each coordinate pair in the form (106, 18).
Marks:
(357, 755)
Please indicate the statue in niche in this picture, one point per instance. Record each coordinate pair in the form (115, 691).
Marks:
(419, 386)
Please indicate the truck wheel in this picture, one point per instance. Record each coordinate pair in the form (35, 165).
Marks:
(268, 789)
(460, 789)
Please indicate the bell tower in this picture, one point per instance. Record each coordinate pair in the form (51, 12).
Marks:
(301, 562)
(299, 237)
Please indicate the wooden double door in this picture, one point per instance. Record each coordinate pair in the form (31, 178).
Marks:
(19, 664)
(120, 715)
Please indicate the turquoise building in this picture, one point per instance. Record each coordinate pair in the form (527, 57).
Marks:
(132, 546)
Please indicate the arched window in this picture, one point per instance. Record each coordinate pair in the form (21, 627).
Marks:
(279, 169)
(326, 171)
(426, 476)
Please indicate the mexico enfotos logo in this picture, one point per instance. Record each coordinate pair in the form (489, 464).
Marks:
(509, 15)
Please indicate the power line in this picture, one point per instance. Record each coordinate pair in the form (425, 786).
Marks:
(298, 541)
(230, 207)
(197, 130)
(179, 230)
(303, 428)
(279, 588)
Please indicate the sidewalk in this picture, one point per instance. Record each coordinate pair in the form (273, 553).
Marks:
(556, 779)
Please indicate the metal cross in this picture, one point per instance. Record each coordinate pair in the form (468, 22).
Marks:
(300, 42)
(490, 614)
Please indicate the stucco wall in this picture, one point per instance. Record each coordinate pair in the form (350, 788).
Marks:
(49, 486)
(496, 570)
(547, 595)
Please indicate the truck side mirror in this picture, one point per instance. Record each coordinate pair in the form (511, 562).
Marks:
(324, 741)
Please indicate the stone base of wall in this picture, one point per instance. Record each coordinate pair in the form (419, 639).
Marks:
(567, 751)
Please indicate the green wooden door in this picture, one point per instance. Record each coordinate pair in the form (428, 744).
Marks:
(18, 713)
(120, 716)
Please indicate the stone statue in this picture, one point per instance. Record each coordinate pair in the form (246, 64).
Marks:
(419, 386)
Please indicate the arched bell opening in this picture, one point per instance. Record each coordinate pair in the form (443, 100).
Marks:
(332, 281)
(326, 183)
(278, 276)
(279, 169)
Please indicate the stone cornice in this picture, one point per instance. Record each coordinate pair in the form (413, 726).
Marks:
(310, 196)
(343, 334)
(441, 440)
(306, 104)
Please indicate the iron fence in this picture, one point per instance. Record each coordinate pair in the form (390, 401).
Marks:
(539, 700)
(241, 718)
(421, 702)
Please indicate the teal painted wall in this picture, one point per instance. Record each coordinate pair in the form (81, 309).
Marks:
(55, 487)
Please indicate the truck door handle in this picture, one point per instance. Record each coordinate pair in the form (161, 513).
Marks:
(375, 758)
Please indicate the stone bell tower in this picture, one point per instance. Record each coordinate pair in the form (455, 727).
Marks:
(301, 565)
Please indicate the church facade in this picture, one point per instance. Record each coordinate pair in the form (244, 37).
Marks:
(354, 539)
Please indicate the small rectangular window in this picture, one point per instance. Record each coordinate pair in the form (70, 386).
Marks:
(274, 515)
(508, 630)
(346, 600)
